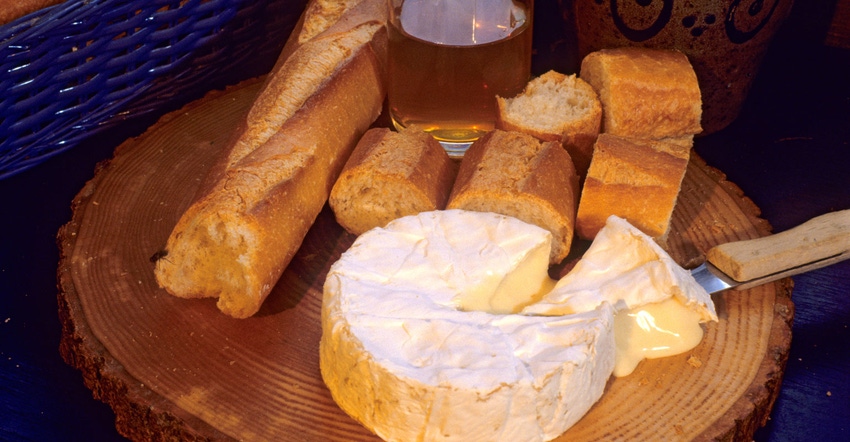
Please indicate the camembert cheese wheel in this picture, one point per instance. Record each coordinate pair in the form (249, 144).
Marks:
(658, 305)
(401, 354)
(446, 326)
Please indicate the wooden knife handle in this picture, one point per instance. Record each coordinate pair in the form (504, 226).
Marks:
(822, 237)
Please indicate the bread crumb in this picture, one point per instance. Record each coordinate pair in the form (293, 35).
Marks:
(695, 361)
(716, 227)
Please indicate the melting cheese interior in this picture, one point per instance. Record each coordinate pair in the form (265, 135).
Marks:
(654, 330)
(524, 284)
(658, 305)
(647, 331)
(446, 325)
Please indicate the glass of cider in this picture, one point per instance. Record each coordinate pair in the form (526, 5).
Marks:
(449, 59)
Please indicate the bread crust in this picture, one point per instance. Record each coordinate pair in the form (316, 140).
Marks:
(15, 9)
(638, 180)
(258, 202)
(645, 93)
(389, 175)
(515, 174)
(301, 68)
(573, 115)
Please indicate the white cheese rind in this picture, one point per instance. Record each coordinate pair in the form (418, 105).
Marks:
(400, 357)
(626, 268)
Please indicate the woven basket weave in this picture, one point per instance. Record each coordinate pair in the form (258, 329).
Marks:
(71, 70)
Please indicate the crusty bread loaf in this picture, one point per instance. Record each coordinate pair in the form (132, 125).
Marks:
(685, 141)
(515, 174)
(319, 15)
(645, 93)
(555, 107)
(389, 175)
(260, 199)
(300, 70)
(638, 180)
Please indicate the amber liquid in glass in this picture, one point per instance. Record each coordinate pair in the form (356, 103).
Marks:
(450, 90)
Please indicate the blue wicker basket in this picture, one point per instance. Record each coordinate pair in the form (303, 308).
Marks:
(74, 69)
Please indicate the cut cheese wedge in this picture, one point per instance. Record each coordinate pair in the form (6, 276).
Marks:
(658, 304)
(440, 326)
(399, 355)
(626, 268)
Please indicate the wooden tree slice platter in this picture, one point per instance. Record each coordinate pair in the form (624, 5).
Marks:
(178, 368)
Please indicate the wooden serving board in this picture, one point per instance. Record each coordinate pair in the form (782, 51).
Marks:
(178, 368)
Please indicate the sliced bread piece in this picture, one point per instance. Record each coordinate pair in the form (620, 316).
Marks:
(515, 174)
(645, 93)
(555, 107)
(635, 179)
(390, 175)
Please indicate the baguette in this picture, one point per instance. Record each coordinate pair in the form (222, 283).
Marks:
(319, 15)
(555, 107)
(264, 193)
(515, 174)
(645, 93)
(635, 179)
(300, 70)
(390, 175)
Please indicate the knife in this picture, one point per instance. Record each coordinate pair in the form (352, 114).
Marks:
(819, 242)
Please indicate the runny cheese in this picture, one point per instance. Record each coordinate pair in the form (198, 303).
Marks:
(626, 268)
(441, 325)
(525, 283)
(652, 331)
(400, 355)
(516, 271)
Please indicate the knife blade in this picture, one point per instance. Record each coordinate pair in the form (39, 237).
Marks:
(819, 242)
(713, 280)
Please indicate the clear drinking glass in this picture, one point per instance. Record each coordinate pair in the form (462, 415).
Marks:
(448, 59)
